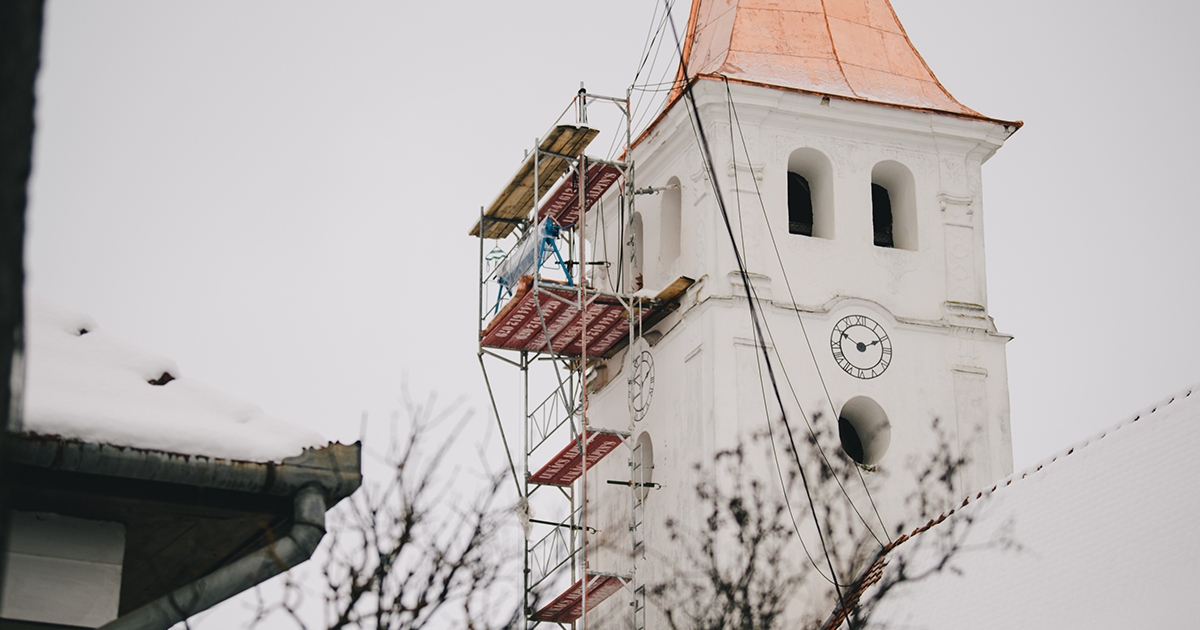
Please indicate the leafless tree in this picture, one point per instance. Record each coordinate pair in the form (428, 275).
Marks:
(404, 554)
(741, 578)
(740, 570)
(940, 537)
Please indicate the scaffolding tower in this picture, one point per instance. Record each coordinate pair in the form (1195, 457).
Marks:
(541, 315)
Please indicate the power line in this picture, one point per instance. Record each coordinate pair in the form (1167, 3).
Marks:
(762, 388)
(803, 330)
(648, 46)
(706, 154)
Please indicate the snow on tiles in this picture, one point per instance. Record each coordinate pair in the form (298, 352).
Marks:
(1098, 530)
(84, 384)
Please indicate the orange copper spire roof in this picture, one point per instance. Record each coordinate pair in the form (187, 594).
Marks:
(854, 49)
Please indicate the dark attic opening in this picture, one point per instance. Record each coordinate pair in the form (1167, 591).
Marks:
(800, 207)
(881, 216)
(864, 430)
(851, 443)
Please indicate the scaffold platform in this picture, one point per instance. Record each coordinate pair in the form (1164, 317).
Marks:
(563, 335)
(569, 606)
(556, 152)
(565, 467)
(562, 204)
(550, 311)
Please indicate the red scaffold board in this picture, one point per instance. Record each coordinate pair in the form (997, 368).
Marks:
(519, 325)
(569, 606)
(563, 204)
(564, 468)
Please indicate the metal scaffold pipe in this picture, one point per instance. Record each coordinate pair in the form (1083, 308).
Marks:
(569, 323)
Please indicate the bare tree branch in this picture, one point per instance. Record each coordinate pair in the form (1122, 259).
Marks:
(740, 570)
(405, 554)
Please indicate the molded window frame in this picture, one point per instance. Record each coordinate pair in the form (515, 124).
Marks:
(897, 181)
(816, 170)
(670, 224)
(635, 251)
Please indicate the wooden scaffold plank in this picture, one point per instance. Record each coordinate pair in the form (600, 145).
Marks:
(519, 324)
(516, 200)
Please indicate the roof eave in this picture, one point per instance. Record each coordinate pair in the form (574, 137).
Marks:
(1014, 125)
(336, 468)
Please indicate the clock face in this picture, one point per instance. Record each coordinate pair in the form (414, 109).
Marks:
(641, 384)
(860, 346)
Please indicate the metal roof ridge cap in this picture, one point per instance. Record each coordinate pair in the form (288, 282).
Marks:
(1096, 436)
(1004, 482)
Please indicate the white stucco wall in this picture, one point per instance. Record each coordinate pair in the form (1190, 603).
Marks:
(948, 358)
(62, 570)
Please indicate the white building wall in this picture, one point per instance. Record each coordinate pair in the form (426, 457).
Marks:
(948, 358)
(62, 570)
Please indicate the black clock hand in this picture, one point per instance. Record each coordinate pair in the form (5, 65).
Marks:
(858, 345)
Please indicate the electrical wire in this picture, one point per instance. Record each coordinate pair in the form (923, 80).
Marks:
(664, 91)
(650, 44)
(646, 106)
(762, 388)
(647, 46)
(706, 155)
(803, 330)
(649, 58)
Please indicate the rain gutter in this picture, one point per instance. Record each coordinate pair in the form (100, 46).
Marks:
(308, 527)
(316, 479)
(335, 468)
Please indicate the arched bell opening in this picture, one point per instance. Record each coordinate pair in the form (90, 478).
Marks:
(810, 193)
(893, 206)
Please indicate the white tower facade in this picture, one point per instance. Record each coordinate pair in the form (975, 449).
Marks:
(852, 185)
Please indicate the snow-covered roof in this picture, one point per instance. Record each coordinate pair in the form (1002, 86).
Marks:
(1105, 535)
(84, 384)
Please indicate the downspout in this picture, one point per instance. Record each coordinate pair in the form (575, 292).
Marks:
(308, 527)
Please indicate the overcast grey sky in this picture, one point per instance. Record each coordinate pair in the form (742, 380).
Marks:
(276, 194)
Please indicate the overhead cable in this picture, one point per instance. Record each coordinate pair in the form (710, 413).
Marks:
(804, 331)
(706, 155)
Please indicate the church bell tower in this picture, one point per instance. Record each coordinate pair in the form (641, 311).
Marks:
(851, 180)
(788, 262)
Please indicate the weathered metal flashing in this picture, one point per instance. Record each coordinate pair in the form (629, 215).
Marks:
(313, 481)
(335, 468)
